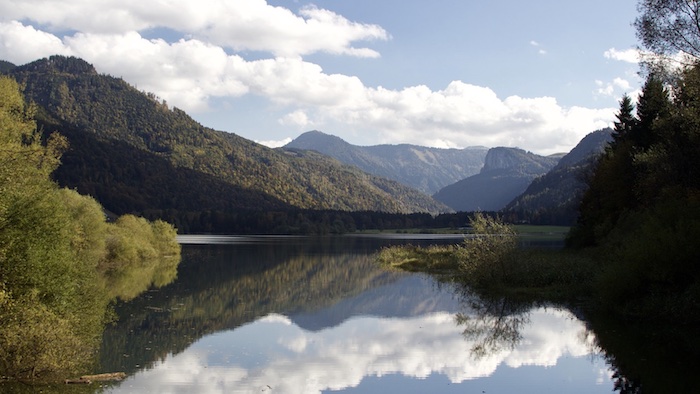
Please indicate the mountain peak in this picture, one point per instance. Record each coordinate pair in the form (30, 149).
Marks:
(314, 138)
(62, 65)
(502, 158)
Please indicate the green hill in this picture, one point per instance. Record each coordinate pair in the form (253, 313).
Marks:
(134, 153)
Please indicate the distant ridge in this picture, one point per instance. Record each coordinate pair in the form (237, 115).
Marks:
(423, 168)
(507, 172)
(554, 197)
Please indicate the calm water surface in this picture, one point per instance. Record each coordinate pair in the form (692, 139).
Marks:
(315, 315)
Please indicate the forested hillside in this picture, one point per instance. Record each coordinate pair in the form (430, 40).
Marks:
(135, 153)
(554, 197)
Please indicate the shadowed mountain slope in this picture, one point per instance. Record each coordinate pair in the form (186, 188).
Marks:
(554, 197)
(506, 173)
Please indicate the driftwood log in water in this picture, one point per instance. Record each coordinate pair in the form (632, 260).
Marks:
(103, 377)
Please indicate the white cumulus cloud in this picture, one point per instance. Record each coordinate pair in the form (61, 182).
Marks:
(238, 25)
(275, 144)
(296, 118)
(204, 56)
(22, 44)
(627, 55)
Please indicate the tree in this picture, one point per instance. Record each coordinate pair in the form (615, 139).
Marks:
(625, 120)
(653, 104)
(50, 302)
(666, 27)
(55, 248)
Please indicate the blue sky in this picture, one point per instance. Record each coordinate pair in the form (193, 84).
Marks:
(538, 75)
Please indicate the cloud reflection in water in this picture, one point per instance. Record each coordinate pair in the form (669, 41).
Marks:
(274, 354)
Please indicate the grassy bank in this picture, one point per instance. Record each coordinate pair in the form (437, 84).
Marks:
(493, 262)
(609, 279)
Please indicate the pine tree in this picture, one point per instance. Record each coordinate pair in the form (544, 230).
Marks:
(654, 103)
(625, 120)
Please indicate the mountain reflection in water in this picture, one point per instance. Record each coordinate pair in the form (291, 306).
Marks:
(297, 315)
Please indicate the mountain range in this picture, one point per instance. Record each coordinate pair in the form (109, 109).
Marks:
(133, 152)
(525, 186)
(554, 197)
(423, 168)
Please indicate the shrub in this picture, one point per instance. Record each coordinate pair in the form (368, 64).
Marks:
(485, 257)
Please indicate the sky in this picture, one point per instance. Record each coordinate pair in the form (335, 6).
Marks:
(538, 75)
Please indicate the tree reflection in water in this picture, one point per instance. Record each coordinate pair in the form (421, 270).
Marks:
(495, 324)
(643, 358)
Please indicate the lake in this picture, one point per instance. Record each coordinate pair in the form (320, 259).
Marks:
(315, 315)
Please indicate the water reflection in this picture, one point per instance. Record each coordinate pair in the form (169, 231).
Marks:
(221, 287)
(274, 353)
(496, 325)
(308, 317)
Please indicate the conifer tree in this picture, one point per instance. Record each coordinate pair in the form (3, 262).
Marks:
(625, 120)
(653, 104)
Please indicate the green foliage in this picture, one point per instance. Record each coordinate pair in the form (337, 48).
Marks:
(491, 262)
(667, 27)
(484, 257)
(48, 277)
(35, 339)
(631, 173)
(655, 263)
(625, 120)
(480, 256)
(642, 206)
(53, 242)
(139, 254)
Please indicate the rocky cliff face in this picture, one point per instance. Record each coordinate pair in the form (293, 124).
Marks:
(506, 173)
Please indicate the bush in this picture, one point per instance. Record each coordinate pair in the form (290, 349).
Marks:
(139, 254)
(485, 258)
(654, 262)
(491, 261)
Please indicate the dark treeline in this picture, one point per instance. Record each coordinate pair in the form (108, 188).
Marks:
(643, 202)
(304, 222)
